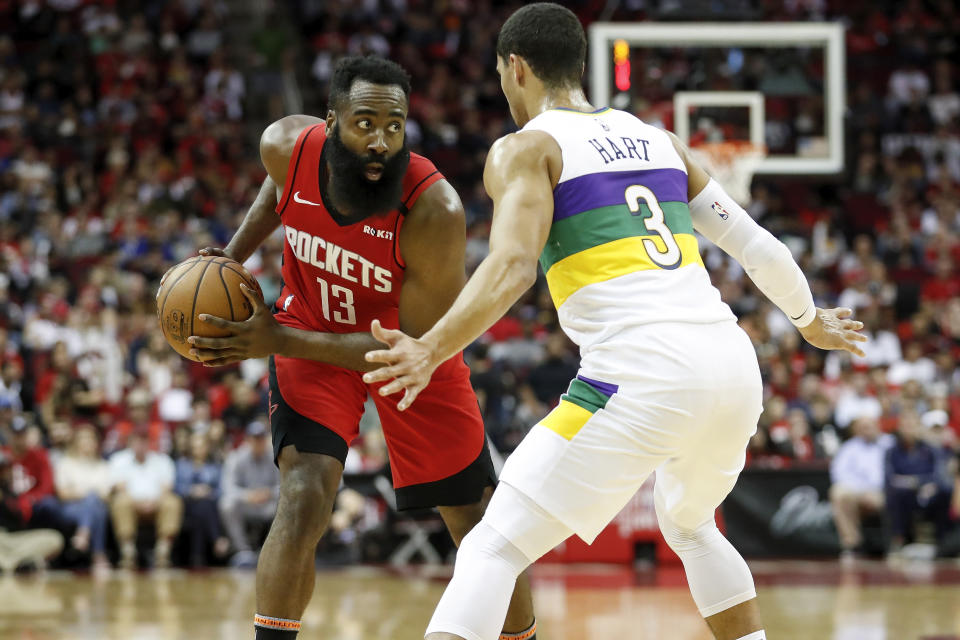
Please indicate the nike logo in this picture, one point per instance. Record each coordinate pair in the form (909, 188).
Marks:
(273, 405)
(297, 198)
(801, 315)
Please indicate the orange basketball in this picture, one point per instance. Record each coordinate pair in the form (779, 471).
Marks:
(204, 284)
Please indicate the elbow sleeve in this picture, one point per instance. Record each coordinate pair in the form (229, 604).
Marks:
(766, 260)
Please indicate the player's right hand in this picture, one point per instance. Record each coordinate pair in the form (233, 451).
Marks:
(834, 329)
(409, 364)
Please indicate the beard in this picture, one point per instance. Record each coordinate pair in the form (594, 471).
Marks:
(357, 196)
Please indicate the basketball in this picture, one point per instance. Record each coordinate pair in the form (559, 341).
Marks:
(203, 284)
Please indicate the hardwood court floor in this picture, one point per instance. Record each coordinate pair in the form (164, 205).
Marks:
(799, 600)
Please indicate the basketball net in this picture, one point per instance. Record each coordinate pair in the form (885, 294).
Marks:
(731, 163)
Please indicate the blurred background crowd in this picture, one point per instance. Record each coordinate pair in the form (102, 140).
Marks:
(128, 134)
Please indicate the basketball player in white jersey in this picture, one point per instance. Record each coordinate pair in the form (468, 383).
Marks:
(668, 382)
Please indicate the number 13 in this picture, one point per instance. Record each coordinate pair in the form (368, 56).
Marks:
(342, 295)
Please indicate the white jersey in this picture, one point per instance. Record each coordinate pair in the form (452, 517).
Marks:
(621, 252)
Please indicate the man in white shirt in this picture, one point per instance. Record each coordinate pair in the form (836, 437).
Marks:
(143, 490)
(856, 476)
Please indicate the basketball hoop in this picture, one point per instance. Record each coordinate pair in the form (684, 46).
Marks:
(731, 163)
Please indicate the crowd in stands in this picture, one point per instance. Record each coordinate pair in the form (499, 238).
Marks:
(128, 140)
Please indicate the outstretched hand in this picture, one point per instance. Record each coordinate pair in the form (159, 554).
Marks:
(834, 329)
(409, 363)
(256, 337)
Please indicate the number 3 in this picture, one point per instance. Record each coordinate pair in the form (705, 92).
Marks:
(344, 296)
(669, 259)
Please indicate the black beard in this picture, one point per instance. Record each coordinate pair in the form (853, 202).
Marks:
(352, 192)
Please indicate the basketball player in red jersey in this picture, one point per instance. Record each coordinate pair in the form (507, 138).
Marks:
(372, 231)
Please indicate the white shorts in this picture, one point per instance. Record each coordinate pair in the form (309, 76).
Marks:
(686, 411)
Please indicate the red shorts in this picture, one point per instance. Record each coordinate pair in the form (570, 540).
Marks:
(437, 447)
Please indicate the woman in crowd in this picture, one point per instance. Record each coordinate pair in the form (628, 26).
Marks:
(82, 480)
(198, 483)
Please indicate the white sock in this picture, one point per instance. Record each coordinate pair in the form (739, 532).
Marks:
(756, 635)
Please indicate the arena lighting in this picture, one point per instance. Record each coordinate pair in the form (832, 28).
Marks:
(621, 65)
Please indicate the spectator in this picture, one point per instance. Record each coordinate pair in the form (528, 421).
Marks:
(914, 366)
(59, 365)
(944, 103)
(32, 476)
(856, 482)
(11, 385)
(180, 443)
(7, 413)
(520, 351)
(951, 544)
(82, 479)
(138, 419)
(243, 408)
(759, 451)
(251, 485)
(913, 483)
(16, 544)
(821, 419)
(224, 85)
(157, 363)
(60, 436)
(206, 38)
(797, 442)
(143, 492)
(490, 382)
(198, 484)
(856, 401)
(550, 379)
(219, 446)
(174, 405)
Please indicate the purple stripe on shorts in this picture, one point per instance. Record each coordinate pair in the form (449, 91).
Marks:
(596, 190)
(605, 388)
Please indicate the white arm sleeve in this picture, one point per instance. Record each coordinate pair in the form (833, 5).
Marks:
(766, 260)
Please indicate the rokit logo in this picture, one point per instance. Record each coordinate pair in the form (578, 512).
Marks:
(378, 233)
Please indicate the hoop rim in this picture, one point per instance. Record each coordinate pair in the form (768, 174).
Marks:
(729, 146)
(732, 152)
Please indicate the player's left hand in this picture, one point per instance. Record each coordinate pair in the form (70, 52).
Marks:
(409, 363)
(258, 336)
(835, 329)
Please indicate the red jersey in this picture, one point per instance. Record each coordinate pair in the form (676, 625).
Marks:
(339, 277)
(32, 477)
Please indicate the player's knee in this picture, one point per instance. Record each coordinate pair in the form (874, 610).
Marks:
(308, 489)
(485, 544)
(307, 507)
(685, 531)
(683, 540)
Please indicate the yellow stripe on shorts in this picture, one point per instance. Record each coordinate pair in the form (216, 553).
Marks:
(567, 419)
(612, 260)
